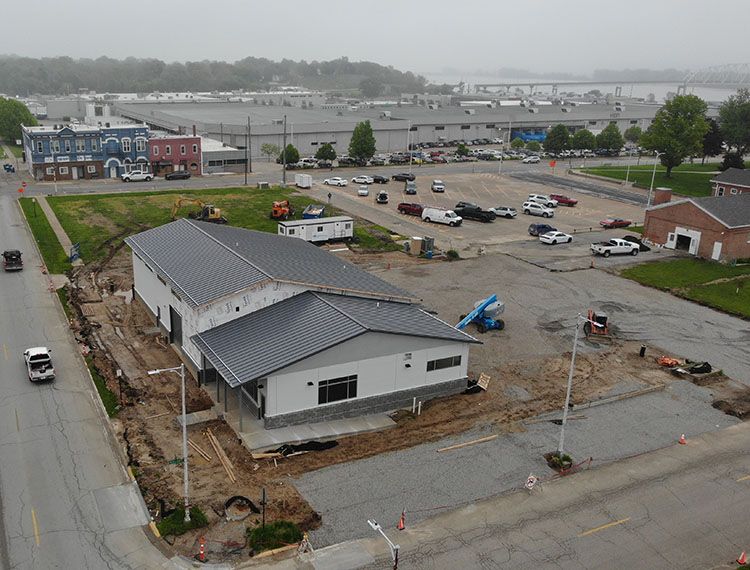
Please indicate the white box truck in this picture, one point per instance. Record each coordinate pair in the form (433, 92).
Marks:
(303, 180)
(318, 230)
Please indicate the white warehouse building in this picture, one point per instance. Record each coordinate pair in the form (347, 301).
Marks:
(291, 333)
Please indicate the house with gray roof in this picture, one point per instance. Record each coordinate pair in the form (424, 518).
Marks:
(288, 332)
(713, 227)
(730, 182)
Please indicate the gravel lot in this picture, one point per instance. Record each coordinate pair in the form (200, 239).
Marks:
(541, 309)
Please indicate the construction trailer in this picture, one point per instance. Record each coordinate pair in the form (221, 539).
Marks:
(319, 230)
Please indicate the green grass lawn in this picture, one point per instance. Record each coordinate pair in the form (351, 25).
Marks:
(687, 179)
(730, 296)
(681, 273)
(55, 257)
(16, 150)
(103, 220)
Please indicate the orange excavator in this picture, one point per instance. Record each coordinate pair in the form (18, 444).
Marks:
(282, 210)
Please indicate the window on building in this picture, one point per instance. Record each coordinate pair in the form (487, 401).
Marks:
(156, 150)
(347, 226)
(720, 191)
(413, 129)
(91, 168)
(39, 146)
(160, 278)
(80, 145)
(64, 170)
(168, 150)
(592, 123)
(140, 145)
(441, 128)
(94, 145)
(465, 127)
(195, 149)
(337, 389)
(183, 149)
(490, 126)
(634, 122)
(55, 146)
(441, 363)
(320, 228)
(125, 145)
(291, 231)
(68, 146)
(50, 171)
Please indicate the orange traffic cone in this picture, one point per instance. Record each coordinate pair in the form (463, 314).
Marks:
(682, 440)
(742, 558)
(402, 521)
(202, 550)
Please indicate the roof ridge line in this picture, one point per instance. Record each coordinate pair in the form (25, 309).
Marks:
(229, 249)
(446, 323)
(339, 310)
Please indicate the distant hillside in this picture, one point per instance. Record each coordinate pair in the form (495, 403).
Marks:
(63, 75)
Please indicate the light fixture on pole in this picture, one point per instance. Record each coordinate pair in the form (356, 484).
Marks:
(653, 176)
(393, 547)
(181, 370)
(580, 319)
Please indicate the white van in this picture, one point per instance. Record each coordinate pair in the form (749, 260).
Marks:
(440, 216)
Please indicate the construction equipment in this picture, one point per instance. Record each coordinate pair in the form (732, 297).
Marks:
(207, 213)
(484, 315)
(282, 210)
(599, 317)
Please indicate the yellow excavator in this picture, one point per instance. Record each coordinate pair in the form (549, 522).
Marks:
(207, 213)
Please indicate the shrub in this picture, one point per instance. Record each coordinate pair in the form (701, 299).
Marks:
(557, 461)
(175, 524)
(273, 535)
(452, 254)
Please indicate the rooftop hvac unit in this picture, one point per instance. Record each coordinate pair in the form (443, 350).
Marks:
(470, 111)
(385, 115)
(534, 110)
(432, 107)
(565, 109)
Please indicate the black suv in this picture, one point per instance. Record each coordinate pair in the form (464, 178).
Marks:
(471, 211)
(403, 176)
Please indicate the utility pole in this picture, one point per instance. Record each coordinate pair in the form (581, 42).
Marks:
(283, 158)
(247, 143)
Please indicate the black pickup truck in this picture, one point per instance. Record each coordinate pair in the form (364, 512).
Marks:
(12, 260)
(474, 212)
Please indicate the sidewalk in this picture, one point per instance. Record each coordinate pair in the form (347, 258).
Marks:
(702, 456)
(62, 237)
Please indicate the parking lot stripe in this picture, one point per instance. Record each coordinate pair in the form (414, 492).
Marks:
(745, 478)
(5, 352)
(604, 526)
(36, 527)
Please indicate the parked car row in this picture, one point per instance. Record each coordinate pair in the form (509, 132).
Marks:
(146, 176)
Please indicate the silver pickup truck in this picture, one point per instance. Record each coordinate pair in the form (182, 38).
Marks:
(615, 246)
(39, 364)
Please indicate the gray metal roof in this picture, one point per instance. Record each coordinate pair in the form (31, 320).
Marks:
(732, 211)
(204, 262)
(281, 334)
(734, 176)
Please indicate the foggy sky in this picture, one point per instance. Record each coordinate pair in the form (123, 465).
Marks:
(575, 36)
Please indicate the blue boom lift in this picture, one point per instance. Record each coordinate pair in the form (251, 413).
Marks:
(485, 315)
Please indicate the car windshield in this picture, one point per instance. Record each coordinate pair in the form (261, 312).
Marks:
(451, 214)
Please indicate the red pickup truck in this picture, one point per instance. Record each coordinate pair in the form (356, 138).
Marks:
(564, 200)
(410, 208)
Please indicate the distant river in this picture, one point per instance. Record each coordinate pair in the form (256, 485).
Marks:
(642, 90)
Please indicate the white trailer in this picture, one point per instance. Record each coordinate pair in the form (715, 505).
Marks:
(319, 230)
(303, 180)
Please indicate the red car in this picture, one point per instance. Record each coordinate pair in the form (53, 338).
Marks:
(564, 200)
(410, 208)
(609, 223)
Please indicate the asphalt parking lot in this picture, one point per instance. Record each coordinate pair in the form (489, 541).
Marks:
(503, 235)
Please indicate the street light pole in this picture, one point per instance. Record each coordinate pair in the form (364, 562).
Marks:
(393, 547)
(181, 370)
(653, 176)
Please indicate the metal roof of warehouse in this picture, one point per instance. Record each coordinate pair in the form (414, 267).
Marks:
(204, 262)
(277, 336)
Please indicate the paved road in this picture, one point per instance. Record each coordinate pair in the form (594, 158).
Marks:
(65, 499)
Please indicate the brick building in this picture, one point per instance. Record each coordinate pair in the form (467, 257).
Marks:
(169, 153)
(63, 152)
(730, 182)
(714, 227)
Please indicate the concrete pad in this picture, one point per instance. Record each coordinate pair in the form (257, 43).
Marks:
(197, 417)
(343, 556)
(121, 507)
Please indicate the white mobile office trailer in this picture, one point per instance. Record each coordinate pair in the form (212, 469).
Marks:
(319, 230)
(303, 180)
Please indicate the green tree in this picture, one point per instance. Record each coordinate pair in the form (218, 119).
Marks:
(270, 150)
(610, 138)
(583, 140)
(677, 130)
(292, 155)
(461, 150)
(633, 134)
(558, 139)
(732, 160)
(533, 146)
(713, 141)
(734, 119)
(326, 152)
(517, 143)
(362, 145)
(371, 87)
(13, 114)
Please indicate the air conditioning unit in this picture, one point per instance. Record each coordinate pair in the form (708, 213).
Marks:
(533, 110)
(385, 115)
(470, 111)
(565, 109)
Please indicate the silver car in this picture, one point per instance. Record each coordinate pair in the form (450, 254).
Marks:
(534, 209)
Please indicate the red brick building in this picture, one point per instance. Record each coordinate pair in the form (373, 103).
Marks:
(169, 153)
(715, 227)
(731, 182)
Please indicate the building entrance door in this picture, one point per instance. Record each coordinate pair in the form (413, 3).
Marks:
(717, 251)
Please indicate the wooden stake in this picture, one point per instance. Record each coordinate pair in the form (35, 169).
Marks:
(468, 443)
(199, 450)
(223, 459)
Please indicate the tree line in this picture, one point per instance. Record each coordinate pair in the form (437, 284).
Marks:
(24, 76)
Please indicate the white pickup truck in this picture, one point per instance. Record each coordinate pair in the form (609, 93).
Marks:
(615, 246)
(39, 364)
